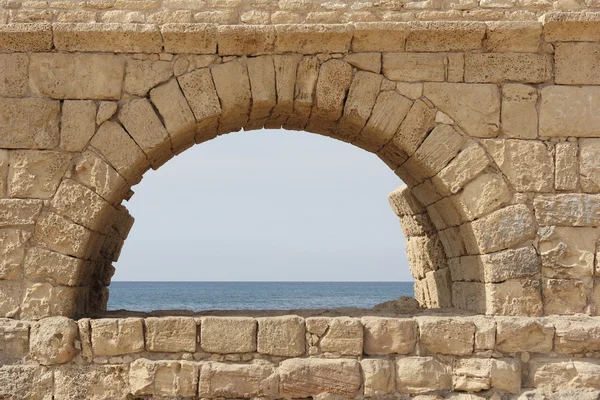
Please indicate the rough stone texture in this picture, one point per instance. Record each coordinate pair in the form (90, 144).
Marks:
(378, 376)
(112, 337)
(308, 377)
(228, 335)
(422, 375)
(525, 334)
(163, 378)
(171, 334)
(281, 336)
(29, 123)
(53, 340)
(578, 103)
(389, 336)
(447, 336)
(238, 381)
(343, 336)
(94, 382)
(36, 174)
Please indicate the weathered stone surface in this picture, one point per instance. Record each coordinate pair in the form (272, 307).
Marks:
(576, 335)
(577, 63)
(286, 67)
(379, 36)
(425, 254)
(566, 174)
(507, 67)
(514, 297)
(238, 381)
(245, 40)
(414, 67)
(306, 80)
(53, 340)
(189, 38)
(580, 104)
(61, 235)
(228, 335)
(569, 209)
(403, 202)
(233, 88)
(113, 337)
(14, 341)
(29, 382)
(553, 375)
(93, 382)
(389, 336)
(519, 334)
(510, 264)
(4, 165)
(472, 374)
(446, 336)
(77, 124)
(335, 77)
(163, 378)
(9, 298)
(54, 267)
(201, 95)
(309, 377)
(29, 123)
(589, 166)
(519, 111)
(95, 173)
(143, 75)
(387, 115)
(517, 36)
(22, 37)
(261, 72)
(76, 76)
(281, 336)
(365, 61)
(171, 334)
(310, 39)
(378, 377)
(359, 103)
(14, 212)
(36, 174)
(106, 110)
(13, 75)
(483, 195)
(344, 336)
(568, 252)
(564, 296)
(474, 107)
(422, 375)
(445, 36)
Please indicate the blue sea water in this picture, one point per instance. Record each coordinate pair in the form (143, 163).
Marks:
(201, 296)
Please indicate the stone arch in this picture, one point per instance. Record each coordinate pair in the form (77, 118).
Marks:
(442, 210)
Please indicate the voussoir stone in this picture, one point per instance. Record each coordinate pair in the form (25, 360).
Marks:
(53, 340)
(171, 334)
(281, 336)
(228, 335)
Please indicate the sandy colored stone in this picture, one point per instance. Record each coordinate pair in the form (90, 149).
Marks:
(95, 173)
(143, 75)
(403, 202)
(344, 336)
(389, 335)
(163, 378)
(589, 166)
(564, 296)
(379, 36)
(286, 67)
(233, 88)
(121, 151)
(29, 382)
(425, 254)
(446, 336)
(578, 103)
(22, 37)
(93, 382)
(228, 335)
(171, 334)
(201, 95)
(519, 112)
(509, 36)
(106, 110)
(311, 376)
(76, 76)
(514, 297)
(483, 195)
(474, 107)
(365, 61)
(421, 375)
(189, 38)
(176, 114)
(378, 377)
(312, 39)
(410, 90)
(414, 67)
(10, 294)
(576, 335)
(566, 174)
(112, 337)
(4, 165)
(469, 296)
(238, 381)
(54, 267)
(507, 67)
(14, 340)
(77, 124)
(281, 336)
(577, 63)
(13, 75)
(261, 72)
(387, 115)
(245, 39)
(306, 80)
(63, 236)
(359, 103)
(519, 334)
(445, 36)
(569, 209)
(568, 252)
(36, 174)
(14, 212)
(53, 340)
(472, 374)
(29, 123)
(509, 264)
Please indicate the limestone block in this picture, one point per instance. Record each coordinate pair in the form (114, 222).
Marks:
(106, 110)
(107, 37)
(568, 252)
(589, 165)
(121, 151)
(565, 167)
(365, 61)
(553, 374)
(76, 76)
(519, 112)
(485, 335)
(30, 382)
(10, 294)
(414, 67)
(77, 124)
(573, 209)
(306, 80)
(404, 203)
(238, 380)
(410, 90)
(483, 195)
(233, 87)
(474, 107)
(42, 264)
(445, 36)
(514, 297)
(143, 125)
(468, 268)
(201, 95)
(507, 67)
(143, 75)
(472, 374)
(436, 151)
(506, 375)
(344, 336)
(95, 173)
(83, 206)
(19, 212)
(13, 75)
(469, 296)
(335, 77)
(14, 341)
(564, 296)
(452, 242)
(388, 113)
(422, 375)
(36, 174)
(446, 212)
(580, 104)
(307, 377)
(499, 230)
(317, 325)
(171, 334)
(425, 192)
(520, 334)
(517, 36)
(281, 336)
(91, 382)
(389, 335)
(439, 284)
(86, 339)
(23, 37)
(577, 63)
(228, 335)
(113, 337)
(189, 38)
(53, 340)
(61, 235)
(379, 36)
(261, 72)
(4, 164)
(446, 335)
(378, 377)
(359, 103)
(29, 123)
(509, 264)
(286, 67)
(312, 39)
(425, 254)
(417, 225)
(176, 114)
(163, 378)
(576, 335)
(570, 27)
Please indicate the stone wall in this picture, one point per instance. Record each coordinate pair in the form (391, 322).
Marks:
(292, 357)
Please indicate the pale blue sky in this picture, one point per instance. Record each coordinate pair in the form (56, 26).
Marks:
(268, 205)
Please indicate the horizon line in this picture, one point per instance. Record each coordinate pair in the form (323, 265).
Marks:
(124, 281)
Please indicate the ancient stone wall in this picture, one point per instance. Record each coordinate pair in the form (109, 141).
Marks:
(292, 357)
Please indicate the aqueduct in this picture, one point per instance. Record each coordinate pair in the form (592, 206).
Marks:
(487, 110)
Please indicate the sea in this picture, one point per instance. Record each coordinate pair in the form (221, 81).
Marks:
(204, 296)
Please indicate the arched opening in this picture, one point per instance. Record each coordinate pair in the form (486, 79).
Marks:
(266, 206)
